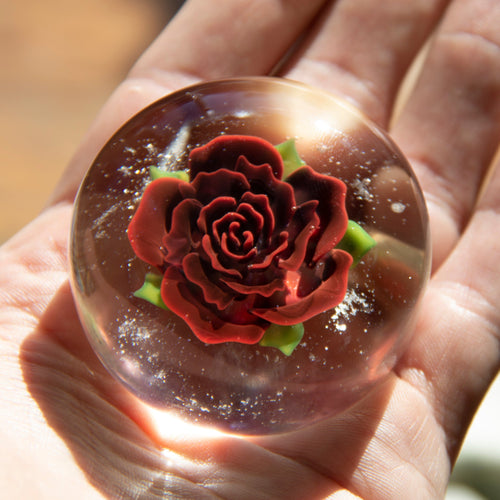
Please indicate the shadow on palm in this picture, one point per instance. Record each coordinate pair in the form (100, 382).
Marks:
(112, 437)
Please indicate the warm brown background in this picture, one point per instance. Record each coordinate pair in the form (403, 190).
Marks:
(60, 60)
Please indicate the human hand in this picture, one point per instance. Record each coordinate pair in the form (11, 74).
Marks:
(69, 430)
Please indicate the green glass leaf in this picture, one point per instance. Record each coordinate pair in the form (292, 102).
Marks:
(356, 241)
(291, 159)
(284, 338)
(150, 290)
(157, 173)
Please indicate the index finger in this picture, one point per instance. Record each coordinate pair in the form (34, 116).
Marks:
(207, 39)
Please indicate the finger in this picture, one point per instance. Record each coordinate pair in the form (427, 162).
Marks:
(222, 38)
(207, 39)
(456, 352)
(450, 127)
(362, 50)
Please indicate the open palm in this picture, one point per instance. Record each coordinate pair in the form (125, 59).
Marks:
(68, 430)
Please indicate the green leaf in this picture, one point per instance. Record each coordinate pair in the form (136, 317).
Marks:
(157, 173)
(356, 241)
(150, 290)
(291, 159)
(284, 338)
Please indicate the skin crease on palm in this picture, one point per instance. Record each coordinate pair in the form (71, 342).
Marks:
(70, 431)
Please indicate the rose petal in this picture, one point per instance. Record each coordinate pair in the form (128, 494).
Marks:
(231, 236)
(206, 243)
(254, 220)
(311, 276)
(222, 226)
(182, 237)
(228, 240)
(326, 296)
(263, 289)
(262, 181)
(223, 182)
(230, 254)
(153, 216)
(260, 202)
(306, 217)
(194, 272)
(224, 151)
(205, 324)
(248, 241)
(269, 256)
(330, 193)
(214, 211)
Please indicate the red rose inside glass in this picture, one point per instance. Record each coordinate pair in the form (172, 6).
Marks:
(241, 242)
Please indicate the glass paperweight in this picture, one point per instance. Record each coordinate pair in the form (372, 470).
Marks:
(248, 254)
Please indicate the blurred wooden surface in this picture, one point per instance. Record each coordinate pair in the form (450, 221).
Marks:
(60, 61)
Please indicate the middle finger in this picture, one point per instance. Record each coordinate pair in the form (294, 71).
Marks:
(361, 50)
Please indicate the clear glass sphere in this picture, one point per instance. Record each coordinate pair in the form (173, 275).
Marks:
(233, 386)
